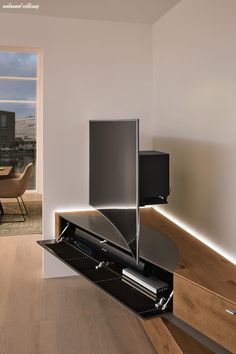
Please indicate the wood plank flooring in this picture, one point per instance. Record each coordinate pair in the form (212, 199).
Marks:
(59, 316)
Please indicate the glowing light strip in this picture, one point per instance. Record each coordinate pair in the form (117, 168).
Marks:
(195, 234)
(70, 210)
(175, 220)
(127, 207)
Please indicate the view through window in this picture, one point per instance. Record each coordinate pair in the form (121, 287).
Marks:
(18, 110)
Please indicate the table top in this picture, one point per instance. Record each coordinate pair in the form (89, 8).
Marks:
(5, 170)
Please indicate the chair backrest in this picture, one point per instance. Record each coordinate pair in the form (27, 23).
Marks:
(24, 178)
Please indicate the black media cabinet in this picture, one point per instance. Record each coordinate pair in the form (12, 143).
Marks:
(92, 247)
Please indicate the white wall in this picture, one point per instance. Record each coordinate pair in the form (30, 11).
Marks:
(98, 69)
(195, 113)
(91, 69)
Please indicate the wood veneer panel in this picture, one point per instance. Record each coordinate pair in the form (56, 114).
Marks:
(57, 225)
(198, 263)
(205, 311)
(167, 338)
(186, 342)
(161, 337)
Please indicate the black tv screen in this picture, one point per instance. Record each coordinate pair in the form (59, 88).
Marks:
(113, 176)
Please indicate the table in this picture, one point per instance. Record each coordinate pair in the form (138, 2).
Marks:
(5, 170)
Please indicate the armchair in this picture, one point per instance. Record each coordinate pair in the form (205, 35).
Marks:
(14, 186)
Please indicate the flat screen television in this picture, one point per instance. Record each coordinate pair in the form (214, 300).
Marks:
(113, 176)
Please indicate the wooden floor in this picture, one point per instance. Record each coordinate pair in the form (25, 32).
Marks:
(58, 316)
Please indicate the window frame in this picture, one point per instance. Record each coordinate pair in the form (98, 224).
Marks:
(38, 106)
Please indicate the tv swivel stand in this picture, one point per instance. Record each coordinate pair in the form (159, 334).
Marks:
(202, 280)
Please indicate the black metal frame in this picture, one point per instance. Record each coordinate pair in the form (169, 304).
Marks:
(107, 276)
(23, 211)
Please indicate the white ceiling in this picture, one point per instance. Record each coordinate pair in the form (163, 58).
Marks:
(142, 11)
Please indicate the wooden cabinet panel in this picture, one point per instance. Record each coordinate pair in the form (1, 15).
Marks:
(161, 337)
(206, 312)
(168, 338)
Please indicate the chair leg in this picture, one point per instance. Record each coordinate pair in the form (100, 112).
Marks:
(23, 203)
(1, 208)
(1, 212)
(22, 213)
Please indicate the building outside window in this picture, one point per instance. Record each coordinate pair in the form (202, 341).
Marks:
(19, 80)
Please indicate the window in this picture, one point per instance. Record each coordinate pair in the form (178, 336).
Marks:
(18, 109)
(3, 121)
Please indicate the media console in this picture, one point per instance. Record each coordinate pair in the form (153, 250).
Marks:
(198, 285)
(93, 247)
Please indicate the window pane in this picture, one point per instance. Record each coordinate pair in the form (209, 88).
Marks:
(18, 90)
(18, 136)
(18, 64)
(21, 110)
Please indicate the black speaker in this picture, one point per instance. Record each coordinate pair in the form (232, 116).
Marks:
(154, 185)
